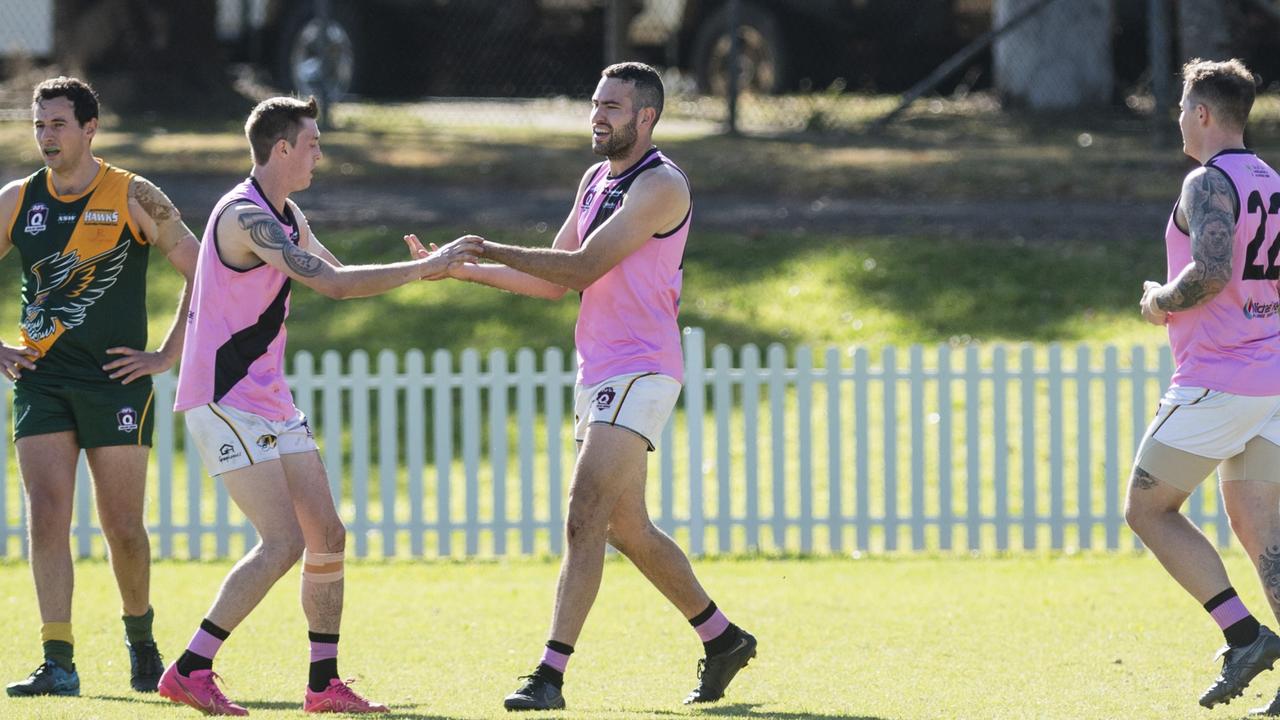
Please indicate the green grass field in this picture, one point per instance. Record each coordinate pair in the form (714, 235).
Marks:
(819, 289)
(1085, 636)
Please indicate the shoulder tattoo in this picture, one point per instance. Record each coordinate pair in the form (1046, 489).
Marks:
(154, 202)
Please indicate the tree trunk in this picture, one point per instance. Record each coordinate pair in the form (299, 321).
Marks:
(1058, 59)
(146, 56)
(1203, 30)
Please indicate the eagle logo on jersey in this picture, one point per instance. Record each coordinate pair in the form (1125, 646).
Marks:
(67, 286)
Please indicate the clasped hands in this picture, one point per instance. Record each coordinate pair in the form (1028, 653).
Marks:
(445, 261)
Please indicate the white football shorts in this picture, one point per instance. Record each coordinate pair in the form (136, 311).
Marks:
(1214, 424)
(1196, 429)
(639, 402)
(229, 439)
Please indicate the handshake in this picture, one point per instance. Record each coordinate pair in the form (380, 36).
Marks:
(443, 262)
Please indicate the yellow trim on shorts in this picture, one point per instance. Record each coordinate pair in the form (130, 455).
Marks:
(217, 411)
(618, 408)
(143, 421)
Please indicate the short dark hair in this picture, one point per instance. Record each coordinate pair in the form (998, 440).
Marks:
(1228, 87)
(275, 119)
(83, 97)
(648, 84)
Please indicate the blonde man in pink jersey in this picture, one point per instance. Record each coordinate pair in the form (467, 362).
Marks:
(240, 412)
(621, 247)
(1223, 406)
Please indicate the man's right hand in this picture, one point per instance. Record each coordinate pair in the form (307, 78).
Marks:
(449, 261)
(14, 359)
(1151, 312)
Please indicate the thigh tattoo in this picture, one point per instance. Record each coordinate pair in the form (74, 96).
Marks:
(1143, 480)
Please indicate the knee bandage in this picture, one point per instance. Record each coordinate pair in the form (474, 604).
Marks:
(322, 567)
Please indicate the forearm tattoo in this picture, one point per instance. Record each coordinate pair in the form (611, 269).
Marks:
(266, 233)
(1209, 204)
(154, 202)
(1269, 569)
(1143, 480)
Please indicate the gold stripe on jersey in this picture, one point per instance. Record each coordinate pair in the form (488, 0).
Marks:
(100, 228)
(105, 216)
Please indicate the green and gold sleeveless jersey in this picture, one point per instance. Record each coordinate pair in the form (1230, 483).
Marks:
(84, 275)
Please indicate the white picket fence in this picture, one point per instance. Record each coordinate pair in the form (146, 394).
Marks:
(943, 448)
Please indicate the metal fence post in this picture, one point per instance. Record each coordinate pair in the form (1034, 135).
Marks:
(617, 21)
(326, 69)
(1159, 49)
(735, 48)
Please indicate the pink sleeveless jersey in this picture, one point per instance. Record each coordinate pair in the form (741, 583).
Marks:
(627, 322)
(1232, 342)
(234, 348)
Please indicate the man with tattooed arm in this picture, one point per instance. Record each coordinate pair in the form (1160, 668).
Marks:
(241, 415)
(82, 377)
(1223, 406)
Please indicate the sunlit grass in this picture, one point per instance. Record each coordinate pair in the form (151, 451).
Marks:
(904, 637)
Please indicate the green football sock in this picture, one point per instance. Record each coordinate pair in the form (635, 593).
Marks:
(138, 627)
(60, 652)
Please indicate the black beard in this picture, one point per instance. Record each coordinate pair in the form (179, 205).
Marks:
(621, 141)
(612, 151)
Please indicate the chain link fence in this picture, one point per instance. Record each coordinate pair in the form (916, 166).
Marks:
(792, 65)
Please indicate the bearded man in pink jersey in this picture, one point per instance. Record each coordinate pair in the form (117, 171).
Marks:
(622, 248)
(240, 412)
(1223, 406)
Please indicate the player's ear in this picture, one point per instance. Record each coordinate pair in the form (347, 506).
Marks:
(91, 127)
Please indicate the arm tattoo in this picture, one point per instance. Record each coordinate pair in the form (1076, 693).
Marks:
(1143, 480)
(154, 202)
(1210, 209)
(266, 233)
(1269, 569)
(302, 262)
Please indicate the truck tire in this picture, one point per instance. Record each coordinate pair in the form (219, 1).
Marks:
(764, 63)
(353, 51)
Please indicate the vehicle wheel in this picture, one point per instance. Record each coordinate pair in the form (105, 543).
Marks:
(763, 60)
(328, 55)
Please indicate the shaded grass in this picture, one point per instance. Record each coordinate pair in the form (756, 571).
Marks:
(903, 637)
(939, 150)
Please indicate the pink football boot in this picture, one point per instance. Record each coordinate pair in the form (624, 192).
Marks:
(200, 691)
(339, 698)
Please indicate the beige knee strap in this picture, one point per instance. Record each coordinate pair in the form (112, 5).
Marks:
(322, 567)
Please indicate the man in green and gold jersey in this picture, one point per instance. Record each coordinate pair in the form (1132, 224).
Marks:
(82, 376)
